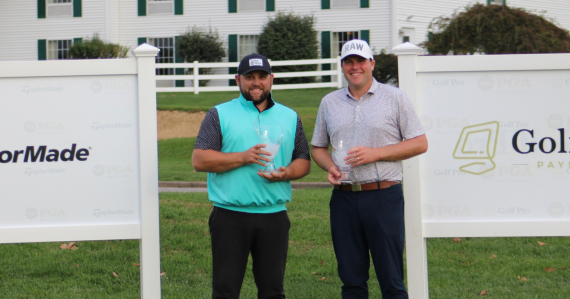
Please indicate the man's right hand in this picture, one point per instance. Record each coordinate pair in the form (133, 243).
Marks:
(334, 175)
(254, 155)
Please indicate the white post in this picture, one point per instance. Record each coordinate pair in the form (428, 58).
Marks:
(148, 161)
(196, 78)
(416, 250)
(338, 73)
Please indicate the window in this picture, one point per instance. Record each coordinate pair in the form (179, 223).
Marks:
(247, 45)
(166, 55)
(345, 3)
(408, 35)
(251, 5)
(59, 8)
(160, 6)
(338, 40)
(58, 49)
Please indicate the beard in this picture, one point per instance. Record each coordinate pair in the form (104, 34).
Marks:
(247, 95)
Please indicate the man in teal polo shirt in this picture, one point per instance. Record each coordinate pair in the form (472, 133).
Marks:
(249, 212)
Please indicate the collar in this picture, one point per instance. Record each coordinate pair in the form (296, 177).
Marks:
(250, 105)
(372, 90)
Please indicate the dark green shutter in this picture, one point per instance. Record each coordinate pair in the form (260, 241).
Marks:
(77, 40)
(365, 35)
(488, 2)
(76, 8)
(178, 7)
(326, 53)
(41, 9)
(141, 40)
(325, 4)
(232, 6)
(430, 36)
(269, 5)
(142, 7)
(42, 49)
(233, 55)
(178, 59)
(364, 4)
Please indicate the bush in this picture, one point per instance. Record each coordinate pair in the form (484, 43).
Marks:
(290, 37)
(495, 29)
(96, 48)
(386, 68)
(203, 45)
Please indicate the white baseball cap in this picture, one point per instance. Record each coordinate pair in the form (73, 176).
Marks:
(356, 47)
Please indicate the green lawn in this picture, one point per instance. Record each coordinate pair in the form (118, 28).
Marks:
(456, 270)
(175, 155)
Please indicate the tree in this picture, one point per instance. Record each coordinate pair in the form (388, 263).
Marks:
(97, 48)
(386, 68)
(203, 45)
(288, 36)
(495, 29)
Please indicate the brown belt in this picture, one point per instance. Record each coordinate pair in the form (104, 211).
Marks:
(366, 187)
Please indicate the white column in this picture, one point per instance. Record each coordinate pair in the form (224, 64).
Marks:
(338, 73)
(196, 80)
(416, 251)
(394, 23)
(148, 161)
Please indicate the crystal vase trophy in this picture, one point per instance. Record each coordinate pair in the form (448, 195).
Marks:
(270, 133)
(342, 142)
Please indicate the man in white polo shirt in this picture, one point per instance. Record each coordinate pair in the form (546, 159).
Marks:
(367, 215)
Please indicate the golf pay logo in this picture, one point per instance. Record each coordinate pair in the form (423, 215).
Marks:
(255, 62)
(478, 142)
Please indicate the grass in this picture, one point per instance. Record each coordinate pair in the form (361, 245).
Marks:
(175, 155)
(456, 270)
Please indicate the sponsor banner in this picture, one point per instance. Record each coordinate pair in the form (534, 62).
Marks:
(69, 151)
(499, 146)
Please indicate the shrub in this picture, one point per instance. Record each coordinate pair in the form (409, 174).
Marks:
(203, 45)
(386, 68)
(96, 48)
(288, 36)
(495, 29)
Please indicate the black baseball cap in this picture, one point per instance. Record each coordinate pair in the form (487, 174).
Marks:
(254, 62)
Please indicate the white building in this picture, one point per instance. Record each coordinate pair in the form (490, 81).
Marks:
(44, 29)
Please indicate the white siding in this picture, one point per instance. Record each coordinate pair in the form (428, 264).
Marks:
(20, 28)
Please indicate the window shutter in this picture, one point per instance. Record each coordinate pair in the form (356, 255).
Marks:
(141, 40)
(326, 53)
(178, 7)
(178, 59)
(364, 4)
(365, 35)
(232, 55)
(41, 9)
(325, 4)
(76, 8)
(269, 5)
(77, 40)
(42, 49)
(142, 7)
(232, 6)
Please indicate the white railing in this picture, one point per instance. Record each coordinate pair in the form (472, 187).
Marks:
(197, 65)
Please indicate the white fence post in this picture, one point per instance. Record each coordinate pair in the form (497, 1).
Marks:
(416, 250)
(196, 78)
(150, 230)
(338, 73)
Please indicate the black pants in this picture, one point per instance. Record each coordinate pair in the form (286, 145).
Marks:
(234, 235)
(363, 222)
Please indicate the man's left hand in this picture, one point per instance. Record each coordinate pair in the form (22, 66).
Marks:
(361, 155)
(274, 176)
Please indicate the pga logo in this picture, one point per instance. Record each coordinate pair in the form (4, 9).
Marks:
(31, 126)
(100, 170)
(33, 213)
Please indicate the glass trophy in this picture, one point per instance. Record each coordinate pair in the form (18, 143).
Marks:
(341, 143)
(270, 133)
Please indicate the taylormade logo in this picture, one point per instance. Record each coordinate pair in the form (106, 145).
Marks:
(31, 154)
